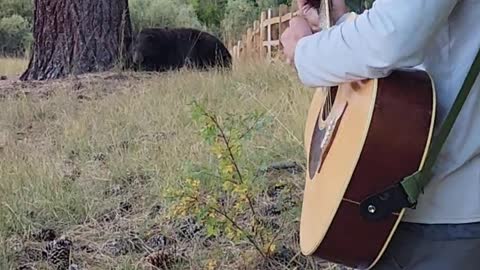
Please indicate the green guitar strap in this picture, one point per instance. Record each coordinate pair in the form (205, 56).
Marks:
(415, 184)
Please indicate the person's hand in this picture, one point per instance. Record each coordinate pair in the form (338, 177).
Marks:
(310, 13)
(298, 29)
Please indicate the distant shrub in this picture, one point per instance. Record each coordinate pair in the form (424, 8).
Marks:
(209, 12)
(23, 8)
(15, 35)
(239, 15)
(162, 13)
(266, 4)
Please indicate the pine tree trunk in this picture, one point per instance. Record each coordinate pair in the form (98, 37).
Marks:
(76, 37)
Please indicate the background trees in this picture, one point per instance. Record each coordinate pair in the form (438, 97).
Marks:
(221, 17)
(15, 26)
(78, 37)
(159, 13)
(227, 19)
(16, 18)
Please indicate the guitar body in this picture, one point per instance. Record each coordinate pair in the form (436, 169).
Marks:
(360, 139)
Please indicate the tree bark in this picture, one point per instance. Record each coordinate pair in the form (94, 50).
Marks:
(76, 37)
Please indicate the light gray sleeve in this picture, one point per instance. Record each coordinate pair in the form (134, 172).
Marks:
(392, 34)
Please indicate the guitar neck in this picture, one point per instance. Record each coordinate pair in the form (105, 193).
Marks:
(324, 8)
(328, 10)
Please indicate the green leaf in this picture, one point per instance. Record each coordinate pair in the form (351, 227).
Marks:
(202, 214)
(211, 230)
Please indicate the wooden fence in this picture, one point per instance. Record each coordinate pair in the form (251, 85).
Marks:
(263, 38)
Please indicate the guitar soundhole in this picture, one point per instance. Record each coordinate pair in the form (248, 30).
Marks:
(315, 150)
(323, 136)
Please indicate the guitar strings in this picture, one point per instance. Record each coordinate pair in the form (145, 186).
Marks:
(330, 103)
(327, 105)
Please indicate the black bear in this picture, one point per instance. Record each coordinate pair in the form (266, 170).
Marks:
(163, 49)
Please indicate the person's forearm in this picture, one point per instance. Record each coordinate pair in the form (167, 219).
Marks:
(392, 34)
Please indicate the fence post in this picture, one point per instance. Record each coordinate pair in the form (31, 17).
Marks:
(230, 46)
(282, 26)
(269, 34)
(263, 33)
(282, 11)
(263, 40)
(249, 41)
(293, 8)
(240, 49)
(256, 37)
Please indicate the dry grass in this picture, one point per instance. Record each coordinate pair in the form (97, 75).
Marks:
(10, 66)
(92, 163)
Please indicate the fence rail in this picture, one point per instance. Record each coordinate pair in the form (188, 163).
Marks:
(263, 38)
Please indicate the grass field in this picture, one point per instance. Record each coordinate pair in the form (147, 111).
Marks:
(92, 159)
(12, 66)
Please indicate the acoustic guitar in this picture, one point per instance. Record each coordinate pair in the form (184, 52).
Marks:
(361, 140)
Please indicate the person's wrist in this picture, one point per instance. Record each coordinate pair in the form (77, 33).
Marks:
(338, 10)
(337, 16)
(297, 51)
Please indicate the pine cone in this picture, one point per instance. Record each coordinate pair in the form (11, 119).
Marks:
(58, 253)
(160, 260)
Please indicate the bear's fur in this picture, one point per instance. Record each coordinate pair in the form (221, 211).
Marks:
(163, 49)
